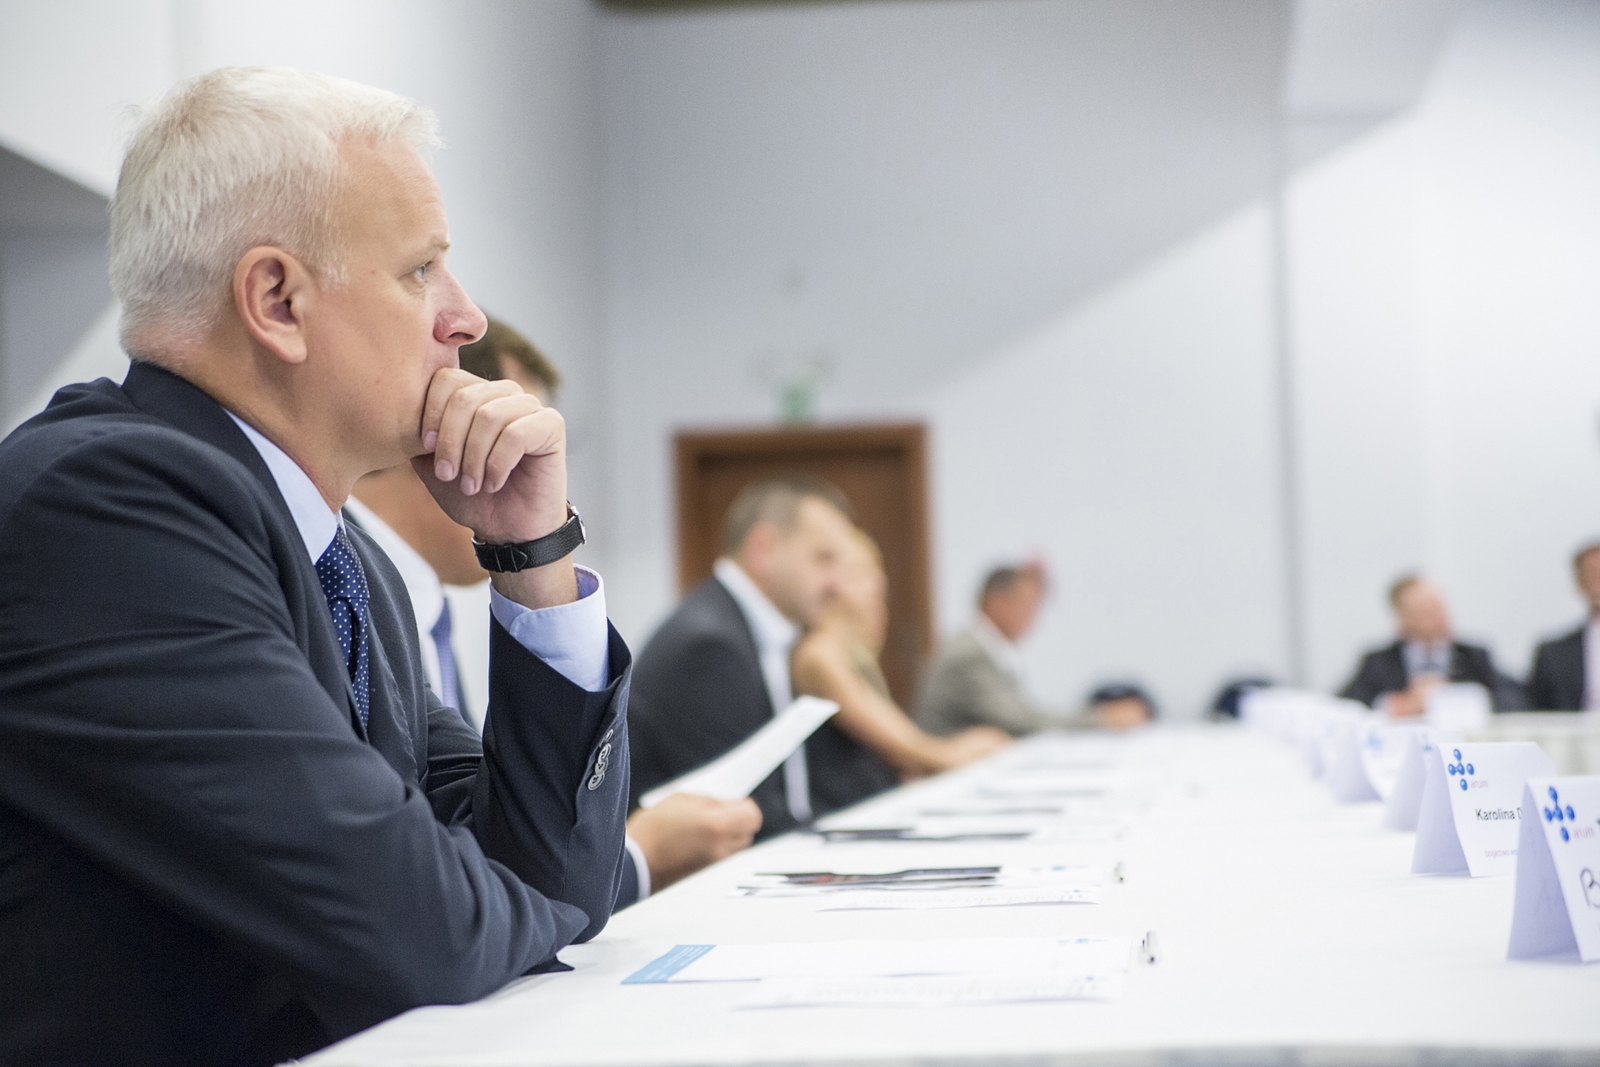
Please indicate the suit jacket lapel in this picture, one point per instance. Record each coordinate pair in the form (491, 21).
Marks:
(164, 395)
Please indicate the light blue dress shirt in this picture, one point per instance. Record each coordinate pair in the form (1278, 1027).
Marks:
(572, 638)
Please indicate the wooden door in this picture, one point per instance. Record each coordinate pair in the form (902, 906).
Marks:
(881, 469)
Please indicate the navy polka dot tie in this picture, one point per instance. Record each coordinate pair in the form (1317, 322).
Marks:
(344, 583)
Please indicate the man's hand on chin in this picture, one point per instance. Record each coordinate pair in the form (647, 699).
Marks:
(497, 464)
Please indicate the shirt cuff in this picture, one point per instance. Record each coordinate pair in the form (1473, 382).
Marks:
(641, 869)
(571, 638)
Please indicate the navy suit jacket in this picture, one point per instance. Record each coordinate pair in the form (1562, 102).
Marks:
(204, 857)
(1559, 678)
(699, 692)
(1383, 671)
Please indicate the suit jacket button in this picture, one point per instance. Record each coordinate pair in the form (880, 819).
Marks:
(600, 761)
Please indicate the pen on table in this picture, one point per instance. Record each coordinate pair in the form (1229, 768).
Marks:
(1149, 949)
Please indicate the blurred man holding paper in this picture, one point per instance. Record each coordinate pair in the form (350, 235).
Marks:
(717, 670)
(1399, 677)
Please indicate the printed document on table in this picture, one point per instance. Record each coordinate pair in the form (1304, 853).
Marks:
(917, 889)
(735, 775)
(1006, 956)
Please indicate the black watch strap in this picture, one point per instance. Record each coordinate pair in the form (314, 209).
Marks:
(536, 553)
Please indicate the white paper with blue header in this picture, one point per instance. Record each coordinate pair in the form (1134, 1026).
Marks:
(912, 973)
(1471, 805)
(1557, 910)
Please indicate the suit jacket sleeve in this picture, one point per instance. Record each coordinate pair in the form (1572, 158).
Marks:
(157, 713)
(697, 700)
(1542, 688)
(1369, 682)
(1504, 693)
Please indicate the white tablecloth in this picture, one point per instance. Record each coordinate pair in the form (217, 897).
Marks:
(1289, 927)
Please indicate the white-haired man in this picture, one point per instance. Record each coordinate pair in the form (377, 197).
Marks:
(234, 822)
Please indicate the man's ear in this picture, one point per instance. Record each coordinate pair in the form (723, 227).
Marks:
(272, 292)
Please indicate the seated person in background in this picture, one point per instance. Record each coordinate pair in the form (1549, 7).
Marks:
(717, 670)
(1119, 707)
(670, 841)
(838, 659)
(1566, 670)
(1399, 677)
(977, 679)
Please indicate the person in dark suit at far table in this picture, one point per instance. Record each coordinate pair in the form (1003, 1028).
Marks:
(717, 670)
(1398, 677)
(235, 822)
(1566, 670)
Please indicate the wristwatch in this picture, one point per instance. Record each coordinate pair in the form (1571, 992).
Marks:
(522, 555)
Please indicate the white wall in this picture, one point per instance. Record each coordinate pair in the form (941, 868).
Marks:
(1447, 339)
(68, 72)
(904, 188)
(1133, 442)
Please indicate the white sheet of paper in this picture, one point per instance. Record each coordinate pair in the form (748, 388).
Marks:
(1011, 956)
(994, 897)
(1557, 910)
(1368, 759)
(930, 992)
(1472, 804)
(1405, 799)
(735, 774)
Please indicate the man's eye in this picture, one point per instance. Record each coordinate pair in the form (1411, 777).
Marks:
(421, 272)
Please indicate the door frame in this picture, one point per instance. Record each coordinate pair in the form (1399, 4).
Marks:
(690, 447)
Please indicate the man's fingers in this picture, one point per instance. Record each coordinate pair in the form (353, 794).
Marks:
(532, 434)
(455, 423)
(441, 388)
(501, 433)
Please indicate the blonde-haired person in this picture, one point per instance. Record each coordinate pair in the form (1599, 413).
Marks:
(838, 659)
(237, 823)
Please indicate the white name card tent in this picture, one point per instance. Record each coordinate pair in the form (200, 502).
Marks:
(1461, 706)
(1557, 910)
(735, 774)
(1369, 759)
(1405, 798)
(1471, 805)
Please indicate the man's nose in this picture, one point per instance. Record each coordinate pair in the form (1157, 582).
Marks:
(461, 322)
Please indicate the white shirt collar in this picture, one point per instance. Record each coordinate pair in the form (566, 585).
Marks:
(1006, 655)
(771, 629)
(316, 522)
(421, 580)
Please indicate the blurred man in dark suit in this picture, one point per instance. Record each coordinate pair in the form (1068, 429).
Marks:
(1398, 677)
(1566, 672)
(718, 669)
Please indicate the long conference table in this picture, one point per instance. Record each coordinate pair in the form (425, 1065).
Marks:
(1287, 931)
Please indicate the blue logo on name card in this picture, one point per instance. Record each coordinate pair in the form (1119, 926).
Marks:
(1560, 814)
(1460, 767)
